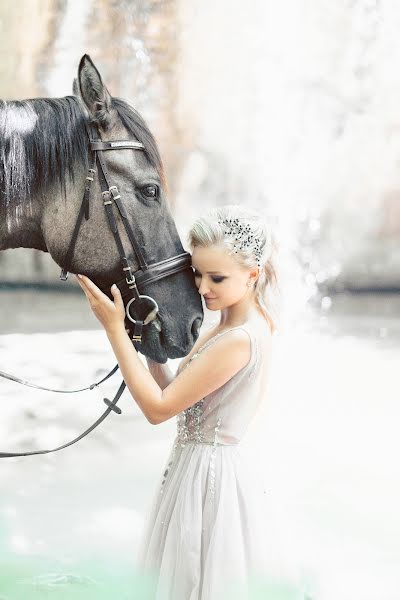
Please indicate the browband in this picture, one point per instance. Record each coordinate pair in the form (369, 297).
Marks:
(115, 145)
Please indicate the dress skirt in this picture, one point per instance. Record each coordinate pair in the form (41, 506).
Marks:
(214, 531)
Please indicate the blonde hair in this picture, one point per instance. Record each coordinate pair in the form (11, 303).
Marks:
(207, 231)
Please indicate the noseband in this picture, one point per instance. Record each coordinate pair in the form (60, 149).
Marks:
(129, 285)
(134, 280)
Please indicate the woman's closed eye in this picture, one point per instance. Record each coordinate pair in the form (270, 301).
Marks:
(214, 278)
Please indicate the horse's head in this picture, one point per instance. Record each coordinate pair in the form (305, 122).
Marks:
(63, 153)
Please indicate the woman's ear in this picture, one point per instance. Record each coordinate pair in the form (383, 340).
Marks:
(254, 274)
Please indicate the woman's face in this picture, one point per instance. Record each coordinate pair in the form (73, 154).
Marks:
(219, 278)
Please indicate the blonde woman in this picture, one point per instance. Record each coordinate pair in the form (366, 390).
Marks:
(210, 534)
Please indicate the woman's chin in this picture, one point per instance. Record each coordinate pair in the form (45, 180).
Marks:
(211, 303)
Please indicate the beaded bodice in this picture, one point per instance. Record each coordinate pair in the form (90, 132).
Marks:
(222, 416)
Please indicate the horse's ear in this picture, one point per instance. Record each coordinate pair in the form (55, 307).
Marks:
(93, 92)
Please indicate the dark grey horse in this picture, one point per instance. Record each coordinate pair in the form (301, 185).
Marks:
(44, 150)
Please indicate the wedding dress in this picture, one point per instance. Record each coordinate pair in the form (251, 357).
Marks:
(212, 532)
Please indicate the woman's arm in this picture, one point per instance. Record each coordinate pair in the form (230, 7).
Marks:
(160, 372)
(211, 369)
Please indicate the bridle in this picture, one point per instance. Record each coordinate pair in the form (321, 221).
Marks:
(133, 281)
(146, 273)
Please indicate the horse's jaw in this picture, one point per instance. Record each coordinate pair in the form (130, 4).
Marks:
(20, 230)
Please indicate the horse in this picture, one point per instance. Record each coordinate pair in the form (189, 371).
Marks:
(56, 151)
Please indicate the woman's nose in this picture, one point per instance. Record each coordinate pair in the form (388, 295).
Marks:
(203, 287)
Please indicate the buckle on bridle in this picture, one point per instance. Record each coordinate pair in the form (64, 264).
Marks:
(114, 192)
(106, 197)
(132, 280)
(90, 174)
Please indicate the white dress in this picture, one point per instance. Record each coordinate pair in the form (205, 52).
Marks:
(211, 533)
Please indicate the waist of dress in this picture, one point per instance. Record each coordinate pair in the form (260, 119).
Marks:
(183, 442)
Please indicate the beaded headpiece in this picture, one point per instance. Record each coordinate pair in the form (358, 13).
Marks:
(243, 236)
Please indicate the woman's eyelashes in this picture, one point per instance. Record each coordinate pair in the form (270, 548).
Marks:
(214, 278)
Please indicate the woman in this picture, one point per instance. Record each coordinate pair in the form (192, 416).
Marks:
(211, 533)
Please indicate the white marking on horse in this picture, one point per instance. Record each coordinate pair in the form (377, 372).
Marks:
(17, 120)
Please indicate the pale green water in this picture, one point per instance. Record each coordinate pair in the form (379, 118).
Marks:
(32, 579)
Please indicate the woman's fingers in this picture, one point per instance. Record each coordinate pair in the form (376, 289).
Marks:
(108, 311)
(90, 286)
(81, 284)
(86, 288)
(116, 294)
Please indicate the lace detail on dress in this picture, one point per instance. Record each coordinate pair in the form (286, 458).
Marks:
(189, 424)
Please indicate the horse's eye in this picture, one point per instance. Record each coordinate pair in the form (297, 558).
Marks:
(150, 191)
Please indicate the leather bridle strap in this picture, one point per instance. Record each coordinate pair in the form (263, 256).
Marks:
(116, 145)
(110, 194)
(84, 210)
(169, 266)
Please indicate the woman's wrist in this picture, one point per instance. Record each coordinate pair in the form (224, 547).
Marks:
(116, 330)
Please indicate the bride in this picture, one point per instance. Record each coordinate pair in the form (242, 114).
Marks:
(211, 532)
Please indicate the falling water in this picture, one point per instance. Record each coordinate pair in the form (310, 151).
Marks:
(70, 43)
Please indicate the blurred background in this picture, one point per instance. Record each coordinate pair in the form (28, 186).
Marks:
(290, 107)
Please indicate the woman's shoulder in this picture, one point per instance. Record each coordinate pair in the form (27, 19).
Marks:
(203, 338)
(210, 338)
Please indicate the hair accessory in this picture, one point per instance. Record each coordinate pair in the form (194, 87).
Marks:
(243, 236)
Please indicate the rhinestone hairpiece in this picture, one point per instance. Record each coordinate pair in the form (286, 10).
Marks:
(243, 236)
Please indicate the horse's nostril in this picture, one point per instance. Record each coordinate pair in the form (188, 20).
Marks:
(196, 327)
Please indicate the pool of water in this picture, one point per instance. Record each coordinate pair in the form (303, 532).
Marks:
(70, 522)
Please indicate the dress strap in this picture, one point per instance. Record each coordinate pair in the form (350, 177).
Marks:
(216, 336)
(254, 346)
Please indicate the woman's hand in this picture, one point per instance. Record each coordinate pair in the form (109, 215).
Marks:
(110, 314)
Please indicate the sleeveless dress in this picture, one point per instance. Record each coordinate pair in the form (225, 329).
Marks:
(211, 533)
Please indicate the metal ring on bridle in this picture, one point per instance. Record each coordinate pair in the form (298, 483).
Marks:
(152, 314)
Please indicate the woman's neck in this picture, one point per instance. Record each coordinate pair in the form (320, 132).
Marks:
(233, 318)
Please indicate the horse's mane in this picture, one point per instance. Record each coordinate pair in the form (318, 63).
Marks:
(42, 139)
